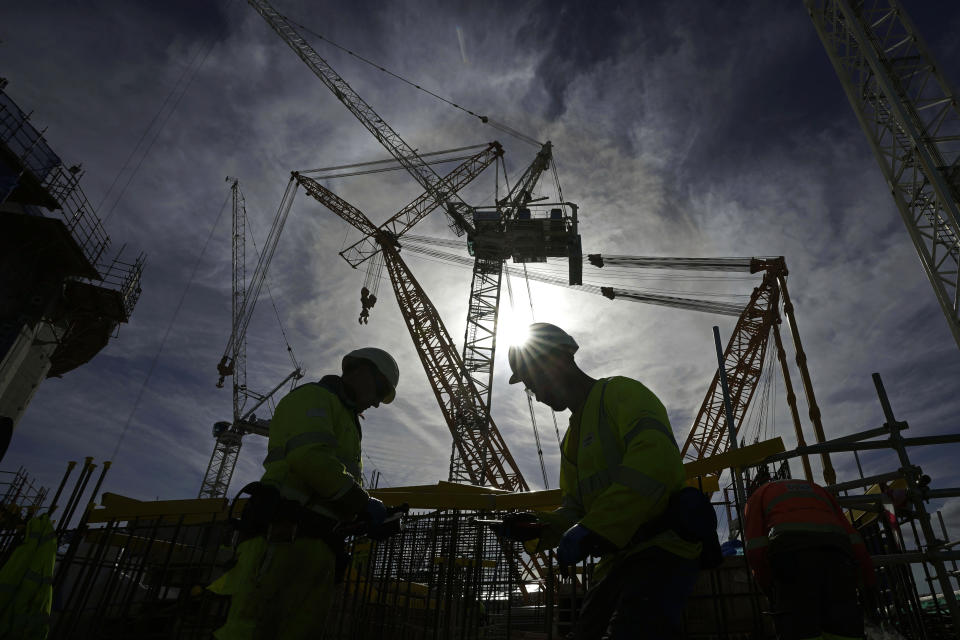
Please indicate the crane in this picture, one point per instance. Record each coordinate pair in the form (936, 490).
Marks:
(229, 435)
(497, 237)
(911, 119)
(391, 141)
(478, 444)
(744, 355)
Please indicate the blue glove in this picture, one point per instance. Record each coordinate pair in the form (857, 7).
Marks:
(579, 542)
(375, 513)
(573, 546)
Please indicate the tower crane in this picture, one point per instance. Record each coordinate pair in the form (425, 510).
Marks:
(229, 435)
(911, 119)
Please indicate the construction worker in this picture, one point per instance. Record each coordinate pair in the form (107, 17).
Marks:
(26, 579)
(804, 553)
(620, 465)
(282, 583)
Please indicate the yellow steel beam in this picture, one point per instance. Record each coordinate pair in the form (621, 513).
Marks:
(742, 457)
(443, 495)
(121, 508)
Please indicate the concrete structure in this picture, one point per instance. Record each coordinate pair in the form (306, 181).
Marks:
(63, 293)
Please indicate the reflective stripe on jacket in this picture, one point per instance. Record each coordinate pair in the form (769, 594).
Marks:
(26, 583)
(313, 455)
(796, 508)
(619, 466)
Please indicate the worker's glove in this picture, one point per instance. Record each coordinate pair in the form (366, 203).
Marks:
(579, 542)
(519, 527)
(374, 513)
(391, 526)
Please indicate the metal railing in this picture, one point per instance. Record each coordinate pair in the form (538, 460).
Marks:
(38, 160)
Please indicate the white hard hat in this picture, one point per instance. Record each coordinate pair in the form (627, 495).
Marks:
(543, 339)
(383, 362)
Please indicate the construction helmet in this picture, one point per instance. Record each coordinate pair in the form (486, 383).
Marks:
(543, 339)
(383, 362)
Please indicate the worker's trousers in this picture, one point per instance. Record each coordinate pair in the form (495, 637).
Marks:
(815, 594)
(278, 590)
(641, 598)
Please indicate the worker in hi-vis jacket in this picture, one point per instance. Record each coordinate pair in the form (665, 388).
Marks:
(287, 561)
(808, 558)
(620, 466)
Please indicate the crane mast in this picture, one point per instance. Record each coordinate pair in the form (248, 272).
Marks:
(219, 472)
(912, 121)
(480, 335)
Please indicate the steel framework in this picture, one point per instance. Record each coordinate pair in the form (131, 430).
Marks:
(480, 335)
(743, 361)
(390, 139)
(912, 121)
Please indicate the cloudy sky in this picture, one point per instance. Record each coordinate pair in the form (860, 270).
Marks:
(680, 129)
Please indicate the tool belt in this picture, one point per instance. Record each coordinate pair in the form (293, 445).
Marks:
(279, 519)
(690, 515)
(269, 514)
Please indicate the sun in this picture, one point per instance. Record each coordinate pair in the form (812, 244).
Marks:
(512, 330)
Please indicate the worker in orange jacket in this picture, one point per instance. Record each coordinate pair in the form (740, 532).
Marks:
(804, 553)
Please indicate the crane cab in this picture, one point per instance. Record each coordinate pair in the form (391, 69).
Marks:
(530, 236)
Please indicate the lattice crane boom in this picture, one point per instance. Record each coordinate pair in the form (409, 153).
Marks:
(241, 319)
(390, 139)
(410, 215)
(745, 352)
(911, 118)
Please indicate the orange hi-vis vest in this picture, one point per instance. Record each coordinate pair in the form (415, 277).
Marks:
(797, 508)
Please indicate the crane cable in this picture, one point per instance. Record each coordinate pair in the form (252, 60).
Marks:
(529, 394)
(166, 334)
(533, 318)
(484, 119)
(649, 296)
(191, 70)
(390, 160)
(273, 302)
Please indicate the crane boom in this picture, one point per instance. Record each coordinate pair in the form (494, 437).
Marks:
(242, 317)
(911, 119)
(406, 218)
(384, 133)
(477, 438)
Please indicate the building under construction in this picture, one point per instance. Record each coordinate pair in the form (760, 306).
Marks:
(64, 290)
(132, 569)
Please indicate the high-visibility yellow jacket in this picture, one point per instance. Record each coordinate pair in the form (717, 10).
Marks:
(619, 466)
(283, 589)
(313, 455)
(26, 583)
